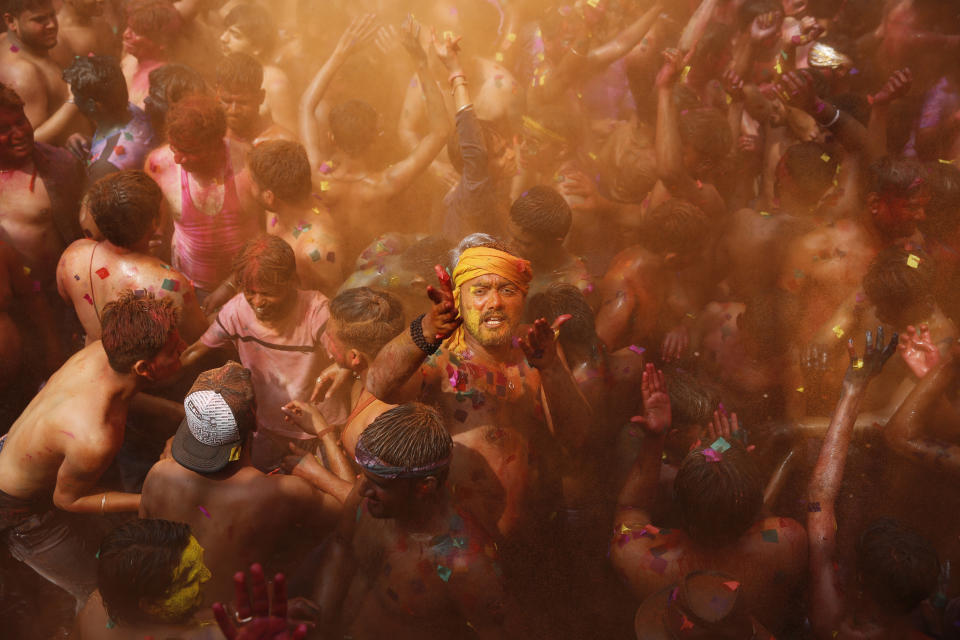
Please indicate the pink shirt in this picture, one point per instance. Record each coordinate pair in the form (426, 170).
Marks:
(285, 361)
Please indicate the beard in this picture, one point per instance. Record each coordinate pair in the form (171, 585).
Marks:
(491, 328)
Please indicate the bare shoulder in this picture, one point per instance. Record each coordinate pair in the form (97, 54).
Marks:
(275, 78)
(160, 161)
(776, 536)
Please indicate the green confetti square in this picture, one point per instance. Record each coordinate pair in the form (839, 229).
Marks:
(315, 255)
(770, 535)
(444, 572)
(720, 445)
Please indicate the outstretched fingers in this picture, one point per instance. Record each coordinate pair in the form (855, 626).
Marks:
(223, 621)
(278, 608)
(261, 598)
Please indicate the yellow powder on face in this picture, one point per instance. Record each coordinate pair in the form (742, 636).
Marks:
(184, 594)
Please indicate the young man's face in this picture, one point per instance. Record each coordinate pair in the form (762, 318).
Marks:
(897, 217)
(167, 363)
(232, 40)
(36, 28)
(270, 303)
(16, 137)
(140, 46)
(385, 498)
(491, 307)
(242, 108)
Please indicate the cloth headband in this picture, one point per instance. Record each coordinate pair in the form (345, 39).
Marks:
(381, 469)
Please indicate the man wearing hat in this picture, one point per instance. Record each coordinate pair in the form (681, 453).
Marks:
(238, 514)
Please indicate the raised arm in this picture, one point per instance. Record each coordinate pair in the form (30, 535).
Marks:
(401, 357)
(826, 609)
(623, 42)
(897, 86)
(314, 133)
(668, 146)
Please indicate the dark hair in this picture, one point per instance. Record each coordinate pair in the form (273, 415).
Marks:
(281, 166)
(674, 226)
(10, 100)
(898, 568)
(893, 178)
(543, 211)
(353, 125)
(560, 298)
(943, 180)
(898, 281)
(196, 123)
(707, 132)
(124, 205)
(136, 327)
(136, 561)
(718, 496)
(168, 85)
(408, 435)
(255, 22)
(812, 168)
(240, 72)
(157, 20)
(691, 401)
(265, 260)
(98, 78)
(16, 7)
(424, 254)
(367, 319)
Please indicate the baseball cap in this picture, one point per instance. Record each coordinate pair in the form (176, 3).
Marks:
(219, 415)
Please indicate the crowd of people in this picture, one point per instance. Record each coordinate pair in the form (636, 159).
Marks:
(479, 318)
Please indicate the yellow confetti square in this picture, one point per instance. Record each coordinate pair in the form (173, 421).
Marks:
(942, 161)
(498, 57)
(593, 3)
(316, 210)
(684, 73)
(858, 364)
(838, 331)
(825, 158)
(512, 37)
(765, 214)
(324, 186)
(592, 156)
(729, 100)
(800, 389)
(778, 67)
(448, 35)
(26, 271)
(913, 261)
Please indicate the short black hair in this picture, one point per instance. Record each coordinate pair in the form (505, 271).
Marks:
(136, 561)
(892, 177)
(353, 125)
(901, 280)
(812, 167)
(282, 167)
(367, 319)
(898, 568)
(562, 298)
(98, 78)
(240, 72)
(675, 226)
(255, 22)
(124, 205)
(168, 85)
(158, 20)
(543, 211)
(16, 7)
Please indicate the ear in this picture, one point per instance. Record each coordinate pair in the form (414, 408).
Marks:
(269, 198)
(358, 360)
(263, 96)
(143, 368)
(10, 21)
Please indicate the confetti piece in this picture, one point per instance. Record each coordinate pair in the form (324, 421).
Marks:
(913, 261)
(324, 186)
(444, 572)
(711, 455)
(170, 285)
(26, 271)
(684, 73)
(14, 48)
(733, 585)
(770, 535)
(838, 331)
(765, 214)
(128, 136)
(685, 623)
(729, 100)
(942, 161)
(76, 277)
(498, 57)
(120, 150)
(800, 389)
(326, 167)
(637, 350)
(720, 445)
(103, 272)
(858, 364)
(315, 255)
(203, 511)
(825, 158)
(512, 37)
(778, 68)
(592, 156)
(331, 256)
(593, 3)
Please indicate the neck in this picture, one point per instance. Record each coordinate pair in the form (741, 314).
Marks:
(256, 126)
(290, 214)
(108, 121)
(426, 515)
(124, 385)
(33, 51)
(213, 170)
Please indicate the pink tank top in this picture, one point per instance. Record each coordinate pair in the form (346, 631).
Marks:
(203, 245)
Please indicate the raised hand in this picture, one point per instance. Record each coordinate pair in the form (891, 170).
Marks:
(360, 31)
(656, 416)
(723, 426)
(410, 39)
(331, 380)
(896, 86)
(447, 49)
(262, 619)
(582, 186)
(540, 343)
(796, 90)
(732, 84)
(306, 416)
(444, 317)
(918, 350)
(766, 26)
(675, 343)
(862, 370)
(673, 63)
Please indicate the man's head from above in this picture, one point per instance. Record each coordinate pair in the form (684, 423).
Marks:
(706, 141)
(539, 222)
(169, 84)
(219, 419)
(87, 8)
(125, 207)
(249, 28)
(692, 403)
(718, 494)
(362, 321)
(804, 174)
(629, 169)
(941, 223)
(490, 285)
(32, 22)
(578, 335)
(266, 273)
(280, 173)
(548, 137)
(703, 605)
(16, 132)
(900, 284)
(404, 456)
(151, 571)
(501, 156)
(196, 126)
(152, 25)
(354, 125)
(98, 85)
(897, 194)
(714, 50)
(896, 567)
(676, 231)
(140, 335)
(240, 92)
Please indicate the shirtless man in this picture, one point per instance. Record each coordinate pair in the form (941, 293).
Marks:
(83, 30)
(718, 494)
(126, 208)
(198, 172)
(53, 457)
(641, 300)
(280, 182)
(210, 484)
(39, 192)
(27, 68)
(339, 139)
(150, 31)
(250, 29)
(407, 561)
(239, 78)
(489, 385)
(539, 222)
(887, 553)
(151, 576)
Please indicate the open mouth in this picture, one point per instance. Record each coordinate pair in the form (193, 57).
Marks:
(494, 322)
